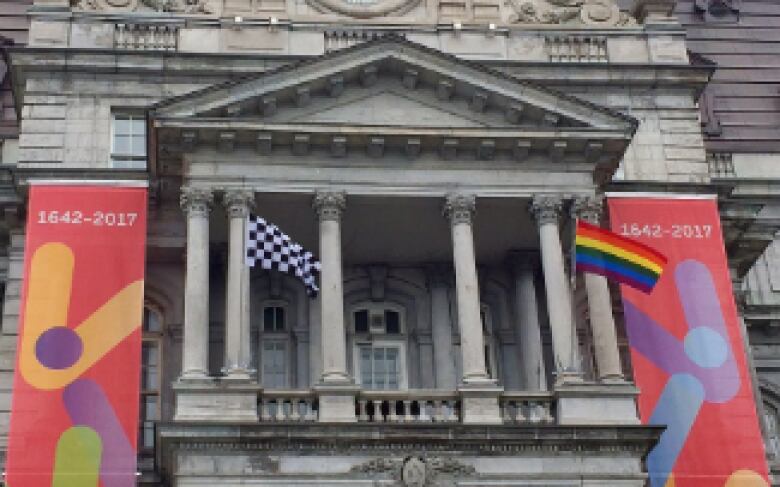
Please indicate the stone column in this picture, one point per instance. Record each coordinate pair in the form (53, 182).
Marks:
(546, 210)
(441, 328)
(479, 393)
(528, 331)
(336, 388)
(329, 207)
(195, 344)
(602, 321)
(459, 208)
(237, 332)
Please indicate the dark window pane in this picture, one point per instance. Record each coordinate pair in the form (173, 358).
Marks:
(268, 318)
(392, 322)
(280, 318)
(361, 321)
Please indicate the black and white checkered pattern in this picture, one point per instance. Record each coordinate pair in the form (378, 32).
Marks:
(274, 250)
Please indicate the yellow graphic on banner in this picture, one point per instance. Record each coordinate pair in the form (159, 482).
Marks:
(48, 299)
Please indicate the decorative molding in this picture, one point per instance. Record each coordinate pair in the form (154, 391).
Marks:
(168, 6)
(329, 205)
(364, 9)
(460, 208)
(546, 209)
(588, 209)
(415, 470)
(238, 203)
(602, 13)
(196, 201)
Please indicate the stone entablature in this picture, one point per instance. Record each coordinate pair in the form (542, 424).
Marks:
(577, 13)
(532, 43)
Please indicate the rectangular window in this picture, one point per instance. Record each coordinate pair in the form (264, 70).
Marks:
(380, 367)
(128, 141)
(273, 319)
(274, 358)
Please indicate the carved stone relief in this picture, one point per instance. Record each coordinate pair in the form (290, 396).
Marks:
(586, 12)
(417, 471)
(174, 6)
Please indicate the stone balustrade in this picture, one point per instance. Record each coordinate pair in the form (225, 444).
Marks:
(288, 406)
(527, 407)
(576, 49)
(423, 406)
(146, 37)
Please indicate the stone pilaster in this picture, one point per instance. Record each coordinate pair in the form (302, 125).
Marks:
(439, 282)
(527, 328)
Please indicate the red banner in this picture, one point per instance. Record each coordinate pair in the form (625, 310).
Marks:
(687, 349)
(75, 396)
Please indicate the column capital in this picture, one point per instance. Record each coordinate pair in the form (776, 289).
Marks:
(546, 209)
(196, 201)
(329, 205)
(588, 208)
(460, 207)
(523, 260)
(238, 202)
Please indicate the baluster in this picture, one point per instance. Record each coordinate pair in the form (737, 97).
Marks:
(449, 409)
(423, 405)
(295, 409)
(392, 416)
(408, 411)
(378, 416)
(311, 414)
(506, 417)
(264, 410)
(362, 410)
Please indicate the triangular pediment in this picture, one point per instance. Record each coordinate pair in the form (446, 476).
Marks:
(392, 82)
(391, 109)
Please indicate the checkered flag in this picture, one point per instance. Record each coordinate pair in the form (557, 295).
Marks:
(273, 249)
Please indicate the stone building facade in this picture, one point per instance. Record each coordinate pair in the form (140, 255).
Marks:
(434, 153)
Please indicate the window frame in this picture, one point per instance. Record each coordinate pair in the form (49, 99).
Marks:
(284, 336)
(156, 338)
(399, 344)
(128, 160)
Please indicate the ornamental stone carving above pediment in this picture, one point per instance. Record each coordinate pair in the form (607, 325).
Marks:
(585, 12)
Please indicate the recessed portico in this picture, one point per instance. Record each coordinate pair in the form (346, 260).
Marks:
(478, 188)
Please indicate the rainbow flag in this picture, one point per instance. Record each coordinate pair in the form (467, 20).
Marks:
(618, 258)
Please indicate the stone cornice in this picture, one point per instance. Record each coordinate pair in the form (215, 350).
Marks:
(363, 438)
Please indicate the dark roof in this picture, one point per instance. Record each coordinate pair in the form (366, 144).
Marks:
(741, 105)
(14, 26)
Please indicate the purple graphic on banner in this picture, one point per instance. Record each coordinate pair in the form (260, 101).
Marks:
(87, 405)
(701, 366)
(58, 348)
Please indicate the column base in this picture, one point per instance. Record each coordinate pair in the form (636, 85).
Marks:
(337, 402)
(216, 401)
(480, 401)
(195, 375)
(568, 377)
(238, 374)
(590, 403)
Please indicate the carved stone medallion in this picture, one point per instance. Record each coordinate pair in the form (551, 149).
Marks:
(364, 9)
(414, 472)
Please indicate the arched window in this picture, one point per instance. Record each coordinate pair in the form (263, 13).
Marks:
(380, 346)
(275, 346)
(151, 380)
